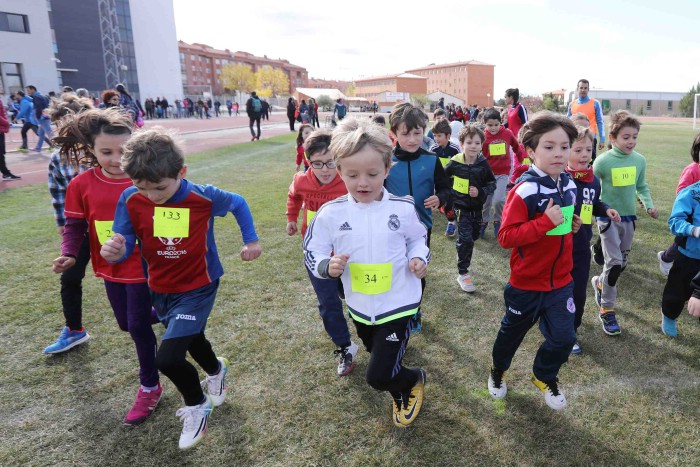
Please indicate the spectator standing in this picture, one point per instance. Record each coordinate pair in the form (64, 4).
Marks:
(253, 108)
(4, 128)
(291, 110)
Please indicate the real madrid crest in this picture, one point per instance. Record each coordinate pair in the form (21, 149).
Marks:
(394, 223)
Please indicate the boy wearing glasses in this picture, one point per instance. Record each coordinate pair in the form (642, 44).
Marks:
(309, 190)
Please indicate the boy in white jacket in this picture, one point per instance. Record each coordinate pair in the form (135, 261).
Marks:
(376, 244)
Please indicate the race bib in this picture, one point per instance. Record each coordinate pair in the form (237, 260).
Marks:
(624, 176)
(103, 229)
(309, 216)
(370, 279)
(527, 161)
(444, 161)
(586, 213)
(171, 222)
(461, 185)
(497, 149)
(565, 227)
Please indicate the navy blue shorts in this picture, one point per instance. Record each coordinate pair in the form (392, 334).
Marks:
(185, 314)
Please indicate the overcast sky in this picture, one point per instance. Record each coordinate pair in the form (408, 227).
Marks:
(536, 45)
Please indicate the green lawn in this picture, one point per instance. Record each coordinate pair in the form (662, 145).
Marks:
(632, 399)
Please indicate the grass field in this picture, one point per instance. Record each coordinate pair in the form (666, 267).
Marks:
(633, 400)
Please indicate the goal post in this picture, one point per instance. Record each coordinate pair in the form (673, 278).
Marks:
(695, 112)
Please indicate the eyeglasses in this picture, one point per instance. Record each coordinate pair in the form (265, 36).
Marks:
(319, 164)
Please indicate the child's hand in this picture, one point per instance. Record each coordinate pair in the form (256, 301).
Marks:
(62, 264)
(473, 191)
(653, 213)
(60, 230)
(554, 213)
(298, 167)
(601, 145)
(612, 214)
(250, 251)
(291, 228)
(432, 202)
(418, 267)
(336, 266)
(576, 224)
(114, 248)
(694, 307)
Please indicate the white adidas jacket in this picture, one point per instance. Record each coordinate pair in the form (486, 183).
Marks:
(386, 231)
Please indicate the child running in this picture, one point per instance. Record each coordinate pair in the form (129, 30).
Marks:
(689, 176)
(95, 138)
(304, 132)
(495, 148)
(173, 220)
(472, 182)
(684, 223)
(588, 204)
(538, 221)
(445, 149)
(380, 254)
(307, 193)
(622, 174)
(416, 171)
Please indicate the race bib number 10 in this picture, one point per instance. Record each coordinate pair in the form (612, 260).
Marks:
(370, 279)
(171, 222)
(624, 176)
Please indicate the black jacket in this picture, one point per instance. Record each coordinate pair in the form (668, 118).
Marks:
(479, 175)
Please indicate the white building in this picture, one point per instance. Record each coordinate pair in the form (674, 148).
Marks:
(26, 52)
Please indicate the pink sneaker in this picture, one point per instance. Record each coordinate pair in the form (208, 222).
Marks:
(144, 405)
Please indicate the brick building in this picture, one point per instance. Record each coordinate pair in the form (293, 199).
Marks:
(389, 89)
(201, 65)
(341, 86)
(471, 81)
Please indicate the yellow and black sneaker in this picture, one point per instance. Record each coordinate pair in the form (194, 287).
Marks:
(552, 394)
(396, 406)
(413, 401)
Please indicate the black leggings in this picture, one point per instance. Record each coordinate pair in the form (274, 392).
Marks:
(171, 361)
(72, 288)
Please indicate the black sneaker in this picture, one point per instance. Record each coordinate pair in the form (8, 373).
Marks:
(11, 176)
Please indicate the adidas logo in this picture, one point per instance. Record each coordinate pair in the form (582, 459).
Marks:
(392, 337)
(345, 226)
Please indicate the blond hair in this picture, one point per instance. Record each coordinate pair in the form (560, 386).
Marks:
(352, 135)
(153, 155)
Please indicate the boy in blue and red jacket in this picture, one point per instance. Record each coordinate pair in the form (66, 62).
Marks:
(588, 206)
(538, 221)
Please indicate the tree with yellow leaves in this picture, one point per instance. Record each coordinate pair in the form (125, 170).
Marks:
(238, 78)
(271, 82)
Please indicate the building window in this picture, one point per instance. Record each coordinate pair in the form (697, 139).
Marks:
(11, 22)
(11, 74)
(217, 61)
(193, 58)
(207, 60)
(194, 68)
(670, 105)
(182, 57)
(628, 104)
(648, 105)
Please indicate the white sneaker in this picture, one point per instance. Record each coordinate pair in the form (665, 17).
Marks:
(664, 267)
(465, 282)
(215, 385)
(497, 386)
(195, 419)
(346, 359)
(552, 394)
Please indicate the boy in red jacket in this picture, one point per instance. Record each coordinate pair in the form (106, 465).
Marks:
(538, 224)
(496, 150)
(309, 190)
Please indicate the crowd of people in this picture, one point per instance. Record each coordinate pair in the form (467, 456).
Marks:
(366, 196)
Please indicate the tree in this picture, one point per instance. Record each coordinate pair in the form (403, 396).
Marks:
(420, 100)
(550, 103)
(271, 82)
(350, 91)
(238, 78)
(325, 102)
(532, 103)
(688, 101)
(501, 102)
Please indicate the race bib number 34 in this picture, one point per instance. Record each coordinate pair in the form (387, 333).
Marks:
(171, 222)
(370, 279)
(624, 176)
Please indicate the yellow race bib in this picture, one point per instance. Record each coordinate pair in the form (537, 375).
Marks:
(624, 176)
(309, 216)
(103, 229)
(461, 185)
(527, 161)
(370, 279)
(497, 149)
(171, 222)
(586, 213)
(444, 161)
